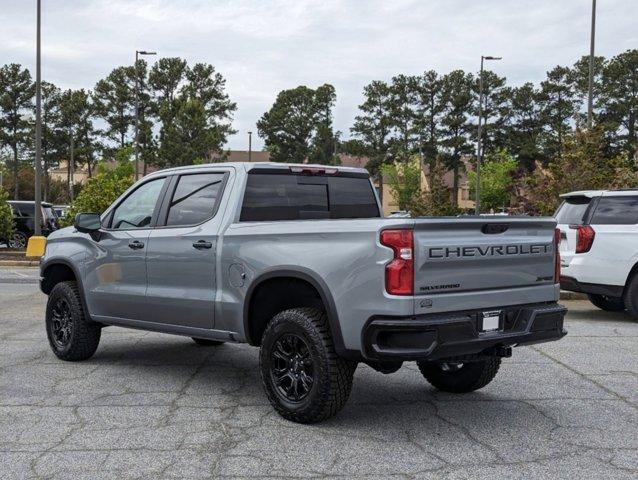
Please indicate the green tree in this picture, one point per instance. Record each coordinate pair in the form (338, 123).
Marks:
(76, 113)
(559, 104)
(619, 103)
(189, 138)
(523, 126)
(436, 199)
(403, 103)
(497, 180)
(290, 127)
(404, 179)
(493, 113)
(6, 216)
(581, 165)
(103, 188)
(456, 127)
(114, 99)
(430, 107)
(16, 101)
(374, 123)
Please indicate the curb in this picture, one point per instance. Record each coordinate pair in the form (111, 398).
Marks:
(19, 263)
(565, 295)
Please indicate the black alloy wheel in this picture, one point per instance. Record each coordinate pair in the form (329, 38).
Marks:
(61, 323)
(291, 368)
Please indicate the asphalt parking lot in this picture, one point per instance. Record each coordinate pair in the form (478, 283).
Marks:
(158, 406)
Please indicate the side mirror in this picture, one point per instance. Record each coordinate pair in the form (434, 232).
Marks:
(87, 222)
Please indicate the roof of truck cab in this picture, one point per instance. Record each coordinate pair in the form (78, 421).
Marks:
(247, 166)
(601, 193)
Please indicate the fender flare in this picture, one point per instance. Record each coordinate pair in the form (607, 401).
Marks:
(78, 278)
(318, 283)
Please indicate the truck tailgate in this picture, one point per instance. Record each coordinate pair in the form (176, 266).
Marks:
(473, 254)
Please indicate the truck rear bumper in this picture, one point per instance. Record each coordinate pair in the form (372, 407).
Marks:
(454, 334)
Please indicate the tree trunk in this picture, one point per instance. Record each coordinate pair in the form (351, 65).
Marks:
(71, 172)
(455, 186)
(16, 187)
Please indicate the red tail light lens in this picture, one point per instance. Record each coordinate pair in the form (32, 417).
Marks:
(557, 234)
(399, 273)
(584, 238)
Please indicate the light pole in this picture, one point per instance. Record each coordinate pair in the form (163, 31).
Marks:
(479, 150)
(590, 97)
(38, 130)
(137, 109)
(250, 146)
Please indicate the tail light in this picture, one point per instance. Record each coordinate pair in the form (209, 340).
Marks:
(584, 238)
(399, 273)
(557, 234)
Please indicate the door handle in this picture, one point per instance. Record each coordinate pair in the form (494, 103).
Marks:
(202, 245)
(135, 244)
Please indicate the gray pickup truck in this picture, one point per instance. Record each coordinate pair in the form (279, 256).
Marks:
(298, 260)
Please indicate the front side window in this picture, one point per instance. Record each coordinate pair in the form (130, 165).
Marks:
(136, 211)
(195, 199)
(616, 211)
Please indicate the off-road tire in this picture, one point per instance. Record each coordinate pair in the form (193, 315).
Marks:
(469, 377)
(332, 375)
(84, 335)
(609, 304)
(631, 297)
(204, 342)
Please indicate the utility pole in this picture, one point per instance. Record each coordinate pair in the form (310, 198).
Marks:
(590, 96)
(250, 146)
(137, 110)
(38, 130)
(479, 143)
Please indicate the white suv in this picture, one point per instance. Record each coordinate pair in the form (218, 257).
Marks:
(599, 247)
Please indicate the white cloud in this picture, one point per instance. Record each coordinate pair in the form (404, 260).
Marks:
(264, 46)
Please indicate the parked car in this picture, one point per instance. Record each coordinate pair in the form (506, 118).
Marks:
(298, 260)
(60, 210)
(24, 218)
(599, 247)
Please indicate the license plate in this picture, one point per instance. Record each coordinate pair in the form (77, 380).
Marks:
(490, 321)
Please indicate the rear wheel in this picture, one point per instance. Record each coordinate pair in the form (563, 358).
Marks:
(460, 377)
(18, 241)
(604, 302)
(631, 297)
(204, 342)
(71, 335)
(304, 379)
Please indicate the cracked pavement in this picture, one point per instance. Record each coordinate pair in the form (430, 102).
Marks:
(149, 405)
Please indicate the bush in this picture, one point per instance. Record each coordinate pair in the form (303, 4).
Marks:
(101, 190)
(6, 216)
(497, 180)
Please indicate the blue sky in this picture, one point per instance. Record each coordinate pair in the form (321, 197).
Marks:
(262, 47)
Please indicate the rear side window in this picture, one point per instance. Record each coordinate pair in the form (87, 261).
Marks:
(573, 211)
(271, 197)
(195, 199)
(616, 211)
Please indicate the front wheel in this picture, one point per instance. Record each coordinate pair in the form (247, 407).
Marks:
(604, 302)
(460, 377)
(303, 377)
(631, 297)
(71, 335)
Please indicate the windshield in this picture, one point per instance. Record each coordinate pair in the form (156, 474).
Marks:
(572, 210)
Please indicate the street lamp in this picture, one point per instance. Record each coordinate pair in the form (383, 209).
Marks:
(137, 109)
(250, 146)
(479, 150)
(590, 98)
(38, 129)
